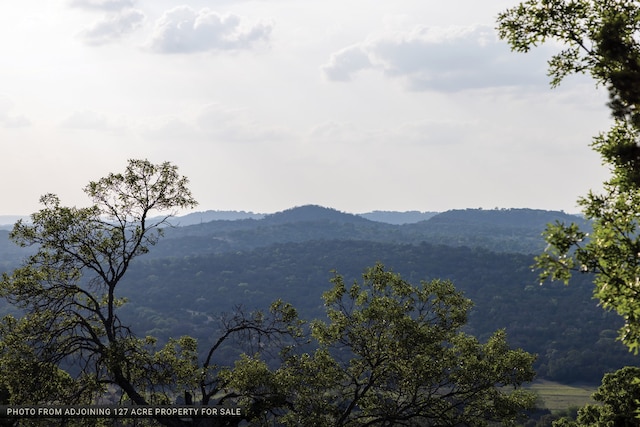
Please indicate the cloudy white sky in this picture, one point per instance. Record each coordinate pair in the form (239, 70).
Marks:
(357, 105)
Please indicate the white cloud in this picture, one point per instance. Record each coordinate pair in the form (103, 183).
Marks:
(87, 120)
(113, 26)
(235, 125)
(344, 63)
(375, 144)
(185, 30)
(106, 5)
(218, 123)
(442, 59)
(431, 133)
(9, 120)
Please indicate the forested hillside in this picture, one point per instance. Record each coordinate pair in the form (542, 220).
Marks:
(509, 230)
(575, 339)
(198, 272)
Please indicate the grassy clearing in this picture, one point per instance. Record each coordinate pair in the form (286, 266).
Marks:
(556, 397)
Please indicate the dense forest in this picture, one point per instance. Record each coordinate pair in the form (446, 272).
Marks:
(505, 230)
(200, 271)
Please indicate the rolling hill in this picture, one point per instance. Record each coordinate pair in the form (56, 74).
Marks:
(201, 270)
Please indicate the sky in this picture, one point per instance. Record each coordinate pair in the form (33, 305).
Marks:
(264, 105)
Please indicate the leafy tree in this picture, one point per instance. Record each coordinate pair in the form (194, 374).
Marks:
(68, 287)
(619, 397)
(392, 354)
(610, 250)
(600, 38)
(71, 343)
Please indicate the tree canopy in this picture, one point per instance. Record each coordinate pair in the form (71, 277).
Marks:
(71, 345)
(617, 398)
(67, 288)
(600, 38)
(391, 353)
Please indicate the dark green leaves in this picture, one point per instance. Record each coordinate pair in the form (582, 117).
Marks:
(141, 188)
(392, 352)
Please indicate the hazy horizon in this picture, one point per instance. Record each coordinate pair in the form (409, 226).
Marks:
(358, 105)
(15, 217)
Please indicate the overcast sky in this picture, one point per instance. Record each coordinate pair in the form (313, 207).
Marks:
(357, 105)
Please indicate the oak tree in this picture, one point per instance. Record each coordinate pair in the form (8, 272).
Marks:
(391, 353)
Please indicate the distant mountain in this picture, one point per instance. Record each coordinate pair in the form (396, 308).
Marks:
(310, 213)
(299, 224)
(503, 217)
(499, 230)
(306, 212)
(7, 221)
(507, 230)
(10, 253)
(398, 218)
(211, 215)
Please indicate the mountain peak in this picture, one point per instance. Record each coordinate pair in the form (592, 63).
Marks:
(308, 213)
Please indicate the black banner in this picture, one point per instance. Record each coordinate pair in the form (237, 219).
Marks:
(102, 411)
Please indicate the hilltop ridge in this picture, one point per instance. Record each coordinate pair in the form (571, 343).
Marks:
(307, 213)
(303, 212)
(315, 212)
(500, 230)
(504, 217)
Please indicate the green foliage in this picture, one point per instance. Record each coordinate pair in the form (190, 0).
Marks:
(619, 400)
(390, 352)
(67, 290)
(393, 353)
(601, 39)
(71, 343)
(74, 338)
(575, 339)
(30, 379)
